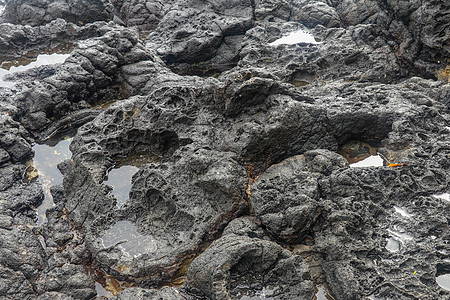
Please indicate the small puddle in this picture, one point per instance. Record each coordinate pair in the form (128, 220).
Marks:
(296, 37)
(392, 245)
(402, 236)
(444, 281)
(43, 167)
(102, 292)
(444, 196)
(124, 235)
(396, 240)
(371, 161)
(402, 211)
(120, 180)
(360, 154)
(120, 177)
(32, 60)
(321, 293)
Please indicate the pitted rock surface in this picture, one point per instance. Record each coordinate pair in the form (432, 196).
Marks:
(176, 214)
(40, 12)
(240, 271)
(238, 185)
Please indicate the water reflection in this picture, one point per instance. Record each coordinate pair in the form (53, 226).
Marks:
(321, 293)
(371, 161)
(102, 292)
(392, 245)
(44, 165)
(402, 236)
(402, 211)
(296, 37)
(360, 154)
(444, 281)
(121, 176)
(444, 196)
(120, 180)
(11, 67)
(124, 235)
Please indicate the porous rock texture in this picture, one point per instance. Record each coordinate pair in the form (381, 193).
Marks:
(240, 187)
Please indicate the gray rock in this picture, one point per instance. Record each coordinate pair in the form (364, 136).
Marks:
(194, 211)
(89, 75)
(237, 266)
(142, 14)
(284, 199)
(4, 156)
(19, 40)
(35, 13)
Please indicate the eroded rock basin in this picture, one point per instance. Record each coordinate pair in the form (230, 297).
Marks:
(44, 166)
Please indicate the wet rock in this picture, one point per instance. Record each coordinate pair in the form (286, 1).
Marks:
(238, 266)
(89, 75)
(324, 161)
(54, 296)
(363, 210)
(21, 254)
(196, 189)
(33, 13)
(410, 27)
(285, 196)
(194, 211)
(246, 226)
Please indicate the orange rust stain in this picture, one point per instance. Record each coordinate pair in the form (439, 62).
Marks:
(396, 165)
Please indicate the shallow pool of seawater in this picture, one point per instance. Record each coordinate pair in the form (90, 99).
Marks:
(444, 196)
(11, 67)
(102, 292)
(444, 281)
(392, 245)
(125, 236)
(371, 161)
(396, 240)
(295, 37)
(44, 166)
(321, 293)
(120, 177)
(120, 180)
(402, 211)
(361, 154)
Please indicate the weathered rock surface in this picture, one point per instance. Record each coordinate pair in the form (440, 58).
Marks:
(142, 14)
(236, 266)
(40, 12)
(19, 40)
(90, 75)
(231, 170)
